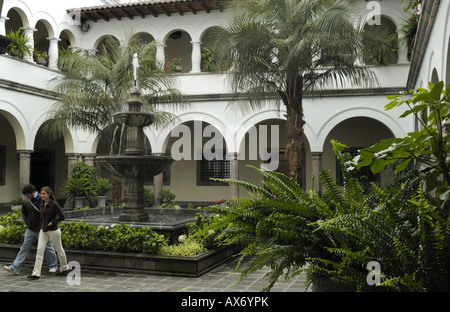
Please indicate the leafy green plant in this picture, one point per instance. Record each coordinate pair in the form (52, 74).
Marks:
(166, 196)
(409, 29)
(17, 201)
(12, 228)
(398, 226)
(199, 230)
(189, 247)
(210, 62)
(82, 182)
(337, 235)
(121, 238)
(79, 187)
(103, 186)
(149, 197)
(273, 226)
(428, 147)
(19, 45)
(171, 66)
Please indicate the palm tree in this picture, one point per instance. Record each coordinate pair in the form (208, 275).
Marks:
(278, 50)
(92, 87)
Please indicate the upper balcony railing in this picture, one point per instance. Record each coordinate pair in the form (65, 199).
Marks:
(200, 85)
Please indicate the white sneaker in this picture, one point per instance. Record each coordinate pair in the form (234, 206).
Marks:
(53, 270)
(7, 268)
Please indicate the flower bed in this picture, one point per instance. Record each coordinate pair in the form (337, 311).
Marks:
(137, 262)
(120, 248)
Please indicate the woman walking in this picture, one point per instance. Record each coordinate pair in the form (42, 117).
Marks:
(51, 215)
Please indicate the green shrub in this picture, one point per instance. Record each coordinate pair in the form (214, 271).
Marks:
(82, 182)
(189, 247)
(201, 230)
(166, 196)
(121, 238)
(149, 198)
(12, 228)
(103, 186)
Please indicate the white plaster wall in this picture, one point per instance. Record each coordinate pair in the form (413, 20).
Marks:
(435, 56)
(27, 111)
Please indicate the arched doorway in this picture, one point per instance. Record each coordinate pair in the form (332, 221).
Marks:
(49, 165)
(9, 163)
(200, 151)
(375, 52)
(356, 133)
(178, 46)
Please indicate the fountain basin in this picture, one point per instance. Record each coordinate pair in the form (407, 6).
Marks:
(135, 119)
(134, 166)
(169, 222)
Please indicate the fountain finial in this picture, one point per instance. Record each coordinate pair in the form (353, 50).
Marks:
(135, 68)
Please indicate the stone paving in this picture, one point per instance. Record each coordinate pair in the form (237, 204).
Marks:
(220, 279)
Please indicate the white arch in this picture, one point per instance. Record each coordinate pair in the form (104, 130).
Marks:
(47, 20)
(71, 33)
(24, 11)
(162, 137)
(389, 121)
(258, 117)
(433, 63)
(19, 124)
(39, 121)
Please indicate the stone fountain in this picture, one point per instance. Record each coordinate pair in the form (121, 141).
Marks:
(128, 158)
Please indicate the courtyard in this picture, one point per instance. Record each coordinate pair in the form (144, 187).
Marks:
(360, 176)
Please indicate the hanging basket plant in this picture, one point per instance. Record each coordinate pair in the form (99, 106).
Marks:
(409, 30)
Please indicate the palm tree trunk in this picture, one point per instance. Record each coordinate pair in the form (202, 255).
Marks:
(294, 128)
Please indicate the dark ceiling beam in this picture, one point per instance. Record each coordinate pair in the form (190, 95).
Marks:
(90, 17)
(163, 8)
(177, 7)
(139, 12)
(150, 9)
(202, 3)
(114, 13)
(103, 16)
(128, 14)
(155, 9)
(218, 5)
(191, 8)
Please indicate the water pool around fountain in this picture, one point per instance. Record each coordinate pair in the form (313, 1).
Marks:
(169, 222)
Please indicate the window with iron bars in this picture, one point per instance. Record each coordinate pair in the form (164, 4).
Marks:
(218, 168)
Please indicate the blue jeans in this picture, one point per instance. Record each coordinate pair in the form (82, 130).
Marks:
(28, 241)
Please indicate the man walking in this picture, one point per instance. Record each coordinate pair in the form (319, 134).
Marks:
(31, 216)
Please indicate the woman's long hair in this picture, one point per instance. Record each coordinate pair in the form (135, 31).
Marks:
(49, 191)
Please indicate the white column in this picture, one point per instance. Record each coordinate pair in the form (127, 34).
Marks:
(157, 187)
(316, 168)
(196, 56)
(402, 51)
(24, 168)
(3, 20)
(89, 159)
(53, 52)
(234, 173)
(28, 33)
(160, 56)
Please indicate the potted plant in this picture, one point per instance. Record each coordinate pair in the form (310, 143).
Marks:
(16, 204)
(19, 44)
(42, 57)
(104, 186)
(82, 182)
(174, 65)
(209, 60)
(77, 188)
